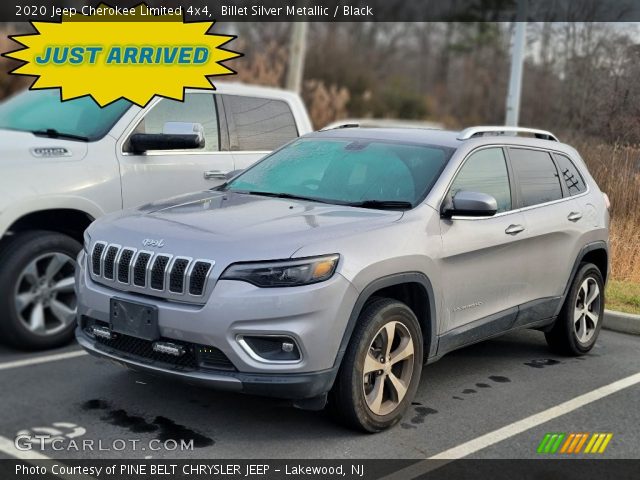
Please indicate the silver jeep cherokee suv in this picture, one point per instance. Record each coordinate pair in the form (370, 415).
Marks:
(340, 264)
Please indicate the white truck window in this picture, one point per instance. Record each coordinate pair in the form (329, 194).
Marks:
(196, 108)
(258, 124)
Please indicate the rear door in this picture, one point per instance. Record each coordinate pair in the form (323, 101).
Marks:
(482, 257)
(257, 126)
(553, 222)
(160, 174)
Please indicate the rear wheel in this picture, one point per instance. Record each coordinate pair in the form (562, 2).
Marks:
(381, 369)
(578, 325)
(37, 295)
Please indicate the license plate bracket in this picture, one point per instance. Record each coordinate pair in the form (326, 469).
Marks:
(134, 319)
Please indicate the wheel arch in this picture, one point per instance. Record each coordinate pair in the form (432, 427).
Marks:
(596, 253)
(412, 288)
(68, 221)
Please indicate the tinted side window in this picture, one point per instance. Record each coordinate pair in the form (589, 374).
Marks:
(486, 172)
(196, 108)
(570, 175)
(536, 175)
(258, 123)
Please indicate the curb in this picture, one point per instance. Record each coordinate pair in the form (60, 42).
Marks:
(621, 322)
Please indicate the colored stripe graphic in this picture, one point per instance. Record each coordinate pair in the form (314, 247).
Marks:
(581, 442)
(607, 439)
(543, 443)
(557, 443)
(565, 447)
(594, 437)
(599, 442)
(573, 443)
(551, 442)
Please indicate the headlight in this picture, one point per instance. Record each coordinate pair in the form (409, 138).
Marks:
(284, 273)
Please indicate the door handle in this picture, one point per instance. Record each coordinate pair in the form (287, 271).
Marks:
(514, 229)
(215, 175)
(574, 216)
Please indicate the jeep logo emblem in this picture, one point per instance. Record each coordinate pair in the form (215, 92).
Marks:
(150, 242)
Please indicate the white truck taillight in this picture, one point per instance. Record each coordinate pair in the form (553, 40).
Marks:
(606, 201)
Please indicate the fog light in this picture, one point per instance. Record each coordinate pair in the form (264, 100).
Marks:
(102, 332)
(169, 348)
(271, 348)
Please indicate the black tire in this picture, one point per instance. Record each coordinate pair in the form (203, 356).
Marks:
(16, 254)
(348, 394)
(563, 337)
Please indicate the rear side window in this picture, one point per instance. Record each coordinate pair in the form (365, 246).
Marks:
(260, 124)
(486, 172)
(570, 175)
(536, 175)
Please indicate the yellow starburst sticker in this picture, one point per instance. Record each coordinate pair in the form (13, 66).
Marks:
(114, 57)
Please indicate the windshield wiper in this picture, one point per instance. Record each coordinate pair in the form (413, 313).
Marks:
(53, 133)
(382, 204)
(281, 195)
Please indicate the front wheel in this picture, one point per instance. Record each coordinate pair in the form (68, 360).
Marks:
(381, 369)
(37, 296)
(578, 325)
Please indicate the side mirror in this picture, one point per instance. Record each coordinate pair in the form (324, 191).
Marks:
(174, 136)
(470, 204)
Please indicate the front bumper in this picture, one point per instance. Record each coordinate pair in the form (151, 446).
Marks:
(289, 386)
(315, 316)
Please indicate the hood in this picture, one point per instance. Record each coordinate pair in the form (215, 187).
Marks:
(231, 227)
(17, 146)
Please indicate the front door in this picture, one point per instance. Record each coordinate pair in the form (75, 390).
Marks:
(482, 256)
(160, 174)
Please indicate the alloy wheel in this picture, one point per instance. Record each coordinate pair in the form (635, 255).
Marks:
(45, 298)
(587, 310)
(388, 368)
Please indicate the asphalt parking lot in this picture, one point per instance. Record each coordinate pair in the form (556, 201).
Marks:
(462, 398)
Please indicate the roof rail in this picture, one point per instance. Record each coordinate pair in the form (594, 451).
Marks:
(471, 132)
(341, 125)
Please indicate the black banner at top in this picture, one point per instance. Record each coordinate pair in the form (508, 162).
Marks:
(334, 10)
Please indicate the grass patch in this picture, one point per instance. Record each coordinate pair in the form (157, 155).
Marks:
(623, 296)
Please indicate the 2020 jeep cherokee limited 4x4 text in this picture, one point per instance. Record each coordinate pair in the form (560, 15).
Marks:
(340, 264)
(65, 164)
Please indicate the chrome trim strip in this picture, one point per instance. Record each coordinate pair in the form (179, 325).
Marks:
(516, 210)
(249, 351)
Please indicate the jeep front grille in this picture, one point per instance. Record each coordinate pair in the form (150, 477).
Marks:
(176, 277)
(124, 264)
(157, 274)
(140, 269)
(109, 262)
(98, 250)
(198, 278)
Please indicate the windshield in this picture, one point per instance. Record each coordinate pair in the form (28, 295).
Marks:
(347, 171)
(41, 111)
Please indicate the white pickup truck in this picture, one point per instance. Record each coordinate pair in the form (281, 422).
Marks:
(64, 164)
